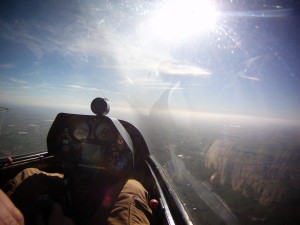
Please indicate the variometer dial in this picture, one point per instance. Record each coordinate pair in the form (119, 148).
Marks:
(104, 132)
(82, 131)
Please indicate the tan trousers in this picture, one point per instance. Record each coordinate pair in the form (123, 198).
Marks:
(130, 208)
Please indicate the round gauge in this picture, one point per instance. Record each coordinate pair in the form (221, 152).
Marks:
(104, 132)
(82, 131)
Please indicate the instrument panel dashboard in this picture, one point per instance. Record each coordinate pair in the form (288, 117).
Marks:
(93, 142)
(95, 130)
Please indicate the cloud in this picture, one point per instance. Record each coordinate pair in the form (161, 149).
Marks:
(25, 87)
(182, 69)
(87, 36)
(18, 81)
(7, 66)
(79, 37)
(82, 88)
(23, 32)
(250, 77)
(252, 60)
(34, 48)
(74, 86)
(147, 84)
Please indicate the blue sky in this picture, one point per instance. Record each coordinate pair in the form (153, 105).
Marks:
(54, 53)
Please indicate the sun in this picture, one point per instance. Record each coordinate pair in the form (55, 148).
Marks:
(180, 19)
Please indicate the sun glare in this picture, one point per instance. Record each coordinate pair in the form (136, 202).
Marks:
(181, 19)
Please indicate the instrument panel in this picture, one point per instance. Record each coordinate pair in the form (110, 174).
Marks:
(95, 142)
(95, 153)
(94, 129)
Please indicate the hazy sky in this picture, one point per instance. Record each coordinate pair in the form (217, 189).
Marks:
(240, 61)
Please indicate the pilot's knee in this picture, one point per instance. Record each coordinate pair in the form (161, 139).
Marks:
(136, 188)
(24, 174)
(138, 194)
(12, 184)
(132, 206)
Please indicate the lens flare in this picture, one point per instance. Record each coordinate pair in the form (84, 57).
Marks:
(177, 20)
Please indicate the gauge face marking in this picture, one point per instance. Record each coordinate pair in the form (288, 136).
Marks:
(120, 140)
(82, 131)
(104, 132)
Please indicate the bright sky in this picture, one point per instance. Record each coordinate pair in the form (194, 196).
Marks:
(245, 62)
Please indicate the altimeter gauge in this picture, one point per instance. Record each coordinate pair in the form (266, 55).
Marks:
(104, 132)
(82, 131)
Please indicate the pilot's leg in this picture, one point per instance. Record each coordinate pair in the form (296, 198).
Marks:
(28, 186)
(12, 185)
(130, 208)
